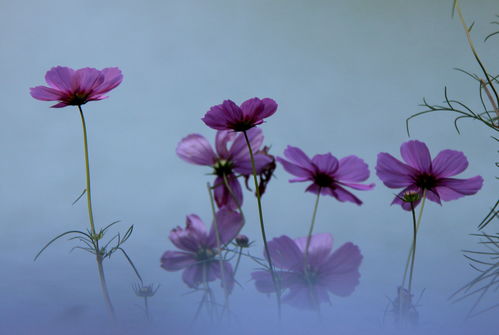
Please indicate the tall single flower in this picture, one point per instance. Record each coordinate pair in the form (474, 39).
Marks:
(200, 258)
(229, 116)
(225, 161)
(77, 87)
(327, 173)
(308, 279)
(421, 174)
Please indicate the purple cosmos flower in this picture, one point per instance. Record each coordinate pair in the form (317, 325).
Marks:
(199, 257)
(229, 116)
(308, 282)
(225, 161)
(71, 87)
(421, 174)
(327, 174)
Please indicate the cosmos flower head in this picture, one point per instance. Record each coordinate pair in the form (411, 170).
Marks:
(77, 87)
(229, 116)
(328, 175)
(308, 280)
(226, 161)
(199, 256)
(420, 174)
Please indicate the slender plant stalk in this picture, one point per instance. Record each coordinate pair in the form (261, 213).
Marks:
(262, 226)
(232, 195)
(412, 244)
(94, 236)
(473, 50)
(239, 254)
(219, 247)
(314, 214)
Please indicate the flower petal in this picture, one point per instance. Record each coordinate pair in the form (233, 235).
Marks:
(340, 273)
(176, 260)
(239, 149)
(263, 281)
(60, 77)
(360, 187)
(417, 155)
(231, 197)
(196, 274)
(45, 93)
(244, 167)
(221, 139)
(393, 172)
(319, 248)
(86, 80)
(196, 149)
(225, 274)
(326, 163)
(112, 78)
(285, 253)
(306, 296)
(449, 163)
(343, 195)
(352, 169)
(223, 116)
(298, 157)
(269, 108)
(229, 223)
(452, 188)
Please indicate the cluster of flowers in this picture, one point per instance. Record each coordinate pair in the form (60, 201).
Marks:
(306, 268)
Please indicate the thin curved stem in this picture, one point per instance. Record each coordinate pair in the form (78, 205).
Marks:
(412, 244)
(314, 214)
(473, 50)
(95, 238)
(219, 251)
(262, 226)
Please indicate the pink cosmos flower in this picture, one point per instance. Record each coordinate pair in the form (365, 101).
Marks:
(71, 87)
(421, 174)
(308, 282)
(229, 116)
(225, 161)
(199, 257)
(327, 174)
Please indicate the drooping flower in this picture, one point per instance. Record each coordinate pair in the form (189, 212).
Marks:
(327, 173)
(199, 257)
(421, 174)
(265, 174)
(226, 162)
(229, 116)
(77, 87)
(308, 280)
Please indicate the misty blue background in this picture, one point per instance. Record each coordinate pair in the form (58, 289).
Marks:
(346, 75)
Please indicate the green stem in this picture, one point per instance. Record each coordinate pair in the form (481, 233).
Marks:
(93, 234)
(309, 236)
(239, 254)
(219, 247)
(412, 245)
(473, 50)
(262, 226)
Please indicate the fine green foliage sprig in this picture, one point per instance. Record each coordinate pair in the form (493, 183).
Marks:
(486, 262)
(90, 243)
(488, 95)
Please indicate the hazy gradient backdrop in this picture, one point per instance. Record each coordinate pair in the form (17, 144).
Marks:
(346, 74)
